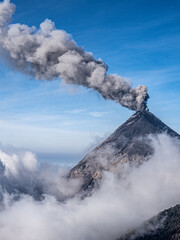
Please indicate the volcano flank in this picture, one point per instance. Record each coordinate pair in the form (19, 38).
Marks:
(129, 144)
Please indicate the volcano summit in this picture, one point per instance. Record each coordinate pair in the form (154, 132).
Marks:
(130, 144)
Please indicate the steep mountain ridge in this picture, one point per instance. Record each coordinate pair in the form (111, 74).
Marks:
(128, 144)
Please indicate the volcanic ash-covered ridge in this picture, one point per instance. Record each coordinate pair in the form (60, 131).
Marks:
(128, 144)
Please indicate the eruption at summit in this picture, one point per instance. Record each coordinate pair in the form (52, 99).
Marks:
(48, 53)
(118, 186)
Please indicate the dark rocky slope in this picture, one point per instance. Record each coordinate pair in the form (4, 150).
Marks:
(164, 226)
(128, 144)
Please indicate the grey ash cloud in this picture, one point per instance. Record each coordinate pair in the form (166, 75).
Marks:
(49, 53)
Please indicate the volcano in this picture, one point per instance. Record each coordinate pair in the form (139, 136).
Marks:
(129, 144)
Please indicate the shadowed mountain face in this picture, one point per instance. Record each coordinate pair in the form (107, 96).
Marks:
(127, 145)
(164, 226)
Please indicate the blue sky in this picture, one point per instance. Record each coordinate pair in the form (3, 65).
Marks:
(138, 40)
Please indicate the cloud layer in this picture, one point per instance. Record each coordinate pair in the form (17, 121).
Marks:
(119, 205)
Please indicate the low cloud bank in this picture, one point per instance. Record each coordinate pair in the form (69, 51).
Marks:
(118, 206)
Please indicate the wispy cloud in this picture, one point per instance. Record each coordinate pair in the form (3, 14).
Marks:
(75, 111)
(87, 112)
(162, 43)
(156, 76)
(45, 139)
(99, 114)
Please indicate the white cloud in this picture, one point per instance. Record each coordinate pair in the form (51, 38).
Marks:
(99, 114)
(76, 111)
(120, 204)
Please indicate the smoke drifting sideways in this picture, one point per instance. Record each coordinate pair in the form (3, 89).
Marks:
(48, 53)
(121, 204)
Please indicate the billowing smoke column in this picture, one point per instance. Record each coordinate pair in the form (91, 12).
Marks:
(48, 53)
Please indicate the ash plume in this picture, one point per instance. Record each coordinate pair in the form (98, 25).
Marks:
(48, 53)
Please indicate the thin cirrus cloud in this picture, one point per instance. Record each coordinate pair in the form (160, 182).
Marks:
(44, 139)
(93, 114)
(75, 111)
(99, 114)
